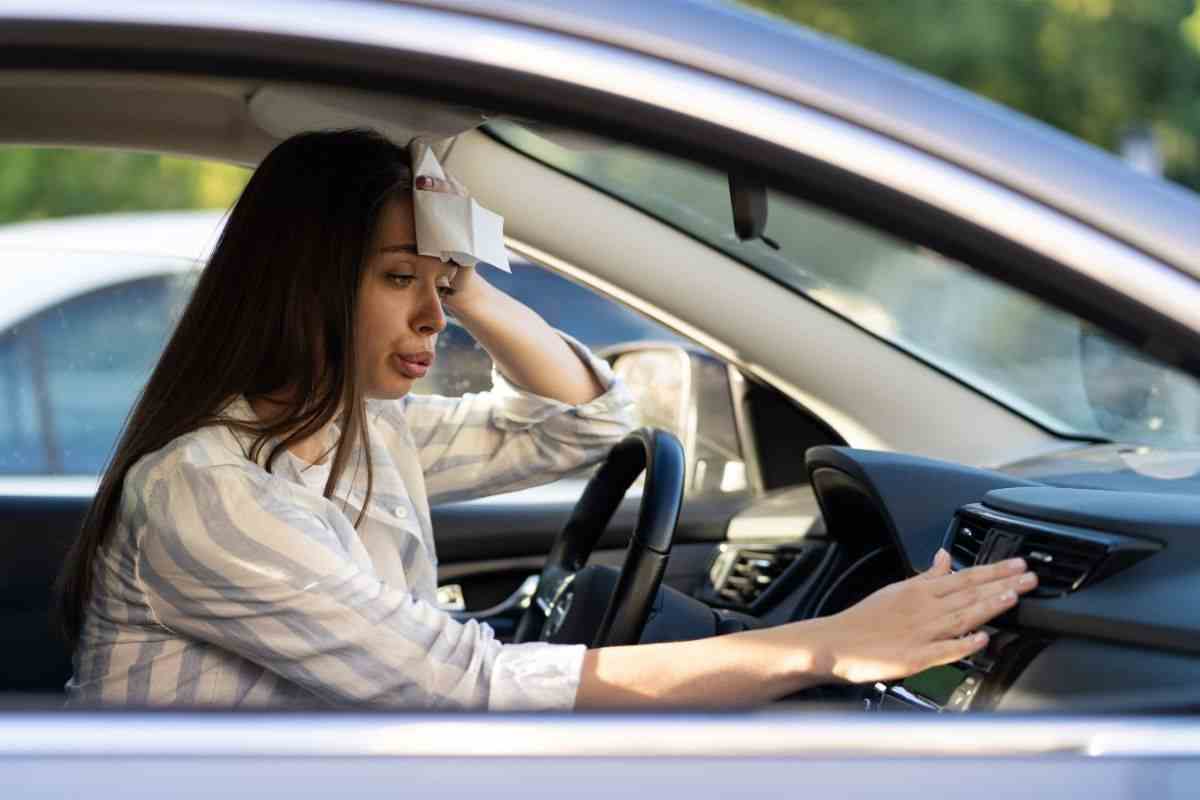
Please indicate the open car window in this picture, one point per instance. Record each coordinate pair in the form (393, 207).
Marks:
(1049, 366)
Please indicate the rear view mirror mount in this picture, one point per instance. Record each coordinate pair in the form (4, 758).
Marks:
(748, 197)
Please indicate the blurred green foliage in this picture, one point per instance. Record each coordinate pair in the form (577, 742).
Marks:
(38, 183)
(1094, 68)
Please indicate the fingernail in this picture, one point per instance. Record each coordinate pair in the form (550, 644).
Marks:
(1016, 564)
(1028, 579)
(1006, 598)
(979, 638)
(423, 182)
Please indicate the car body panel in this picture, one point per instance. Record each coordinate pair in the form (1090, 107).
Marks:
(700, 756)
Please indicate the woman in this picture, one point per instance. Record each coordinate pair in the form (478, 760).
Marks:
(262, 534)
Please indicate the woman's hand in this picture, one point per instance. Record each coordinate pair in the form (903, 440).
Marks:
(524, 348)
(466, 283)
(918, 623)
(900, 630)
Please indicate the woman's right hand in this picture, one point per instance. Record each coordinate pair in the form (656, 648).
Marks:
(925, 621)
(900, 630)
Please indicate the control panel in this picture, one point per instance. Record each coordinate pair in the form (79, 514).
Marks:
(974, 683)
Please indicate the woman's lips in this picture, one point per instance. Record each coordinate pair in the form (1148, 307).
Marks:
(414, 365)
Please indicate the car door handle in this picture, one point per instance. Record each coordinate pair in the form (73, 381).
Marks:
(513, 605)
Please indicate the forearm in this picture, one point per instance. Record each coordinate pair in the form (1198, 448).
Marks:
(523, 346)
(897, 631)
(737, 670)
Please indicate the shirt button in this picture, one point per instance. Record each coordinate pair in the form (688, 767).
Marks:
(400, 511)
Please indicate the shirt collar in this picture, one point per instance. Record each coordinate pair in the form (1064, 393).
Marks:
(353, 481)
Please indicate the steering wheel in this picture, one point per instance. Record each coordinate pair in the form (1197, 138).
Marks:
(575, 604)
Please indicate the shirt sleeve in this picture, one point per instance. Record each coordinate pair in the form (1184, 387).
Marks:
(230, 560)
(510, 438)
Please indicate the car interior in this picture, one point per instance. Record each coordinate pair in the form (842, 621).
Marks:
(819, 457)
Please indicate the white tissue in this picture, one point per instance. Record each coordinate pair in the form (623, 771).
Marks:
(452, 227)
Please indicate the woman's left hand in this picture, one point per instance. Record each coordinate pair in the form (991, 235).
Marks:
(466, 283)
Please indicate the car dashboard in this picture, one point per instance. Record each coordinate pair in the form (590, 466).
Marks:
(1111, 626)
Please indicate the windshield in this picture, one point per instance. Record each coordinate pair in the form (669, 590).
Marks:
(1050, 366)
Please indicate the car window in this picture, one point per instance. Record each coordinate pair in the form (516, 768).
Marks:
(717, 463)
(463, 366)
(70, 372)
(1050, 366)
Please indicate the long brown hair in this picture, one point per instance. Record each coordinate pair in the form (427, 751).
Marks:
(274, 309)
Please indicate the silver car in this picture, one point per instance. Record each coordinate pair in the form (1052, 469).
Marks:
(912, 318)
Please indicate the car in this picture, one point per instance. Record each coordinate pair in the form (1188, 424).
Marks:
(915, 320)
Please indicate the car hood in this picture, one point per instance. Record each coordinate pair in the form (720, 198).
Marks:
(1117, 467)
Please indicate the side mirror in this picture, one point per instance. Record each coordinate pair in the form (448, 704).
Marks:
(692, 395)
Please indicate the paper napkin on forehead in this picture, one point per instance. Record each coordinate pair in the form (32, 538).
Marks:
(450, 226)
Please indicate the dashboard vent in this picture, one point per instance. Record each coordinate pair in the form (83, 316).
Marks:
(1062, 563)
(968, 541)
(740, 576)
(1065, 558)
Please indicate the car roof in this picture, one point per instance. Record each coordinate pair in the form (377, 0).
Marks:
(50, 261)
(173, 234)
(875, 92)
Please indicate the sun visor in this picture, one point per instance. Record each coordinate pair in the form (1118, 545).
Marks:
(454, 227)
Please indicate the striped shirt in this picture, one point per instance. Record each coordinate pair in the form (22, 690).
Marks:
(223, 584)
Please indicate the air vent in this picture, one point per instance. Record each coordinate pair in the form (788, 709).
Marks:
(1065, 558)
(1062, 563)
(740, 576)
(968, 541)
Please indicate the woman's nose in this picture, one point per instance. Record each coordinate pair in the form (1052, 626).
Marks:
(430, 316)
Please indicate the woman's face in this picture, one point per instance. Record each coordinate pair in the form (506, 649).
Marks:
(399, 306)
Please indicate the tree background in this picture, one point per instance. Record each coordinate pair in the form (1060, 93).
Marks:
(1094, 68)
(40, 183)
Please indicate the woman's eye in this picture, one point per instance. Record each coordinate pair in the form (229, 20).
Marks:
(400, 280)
